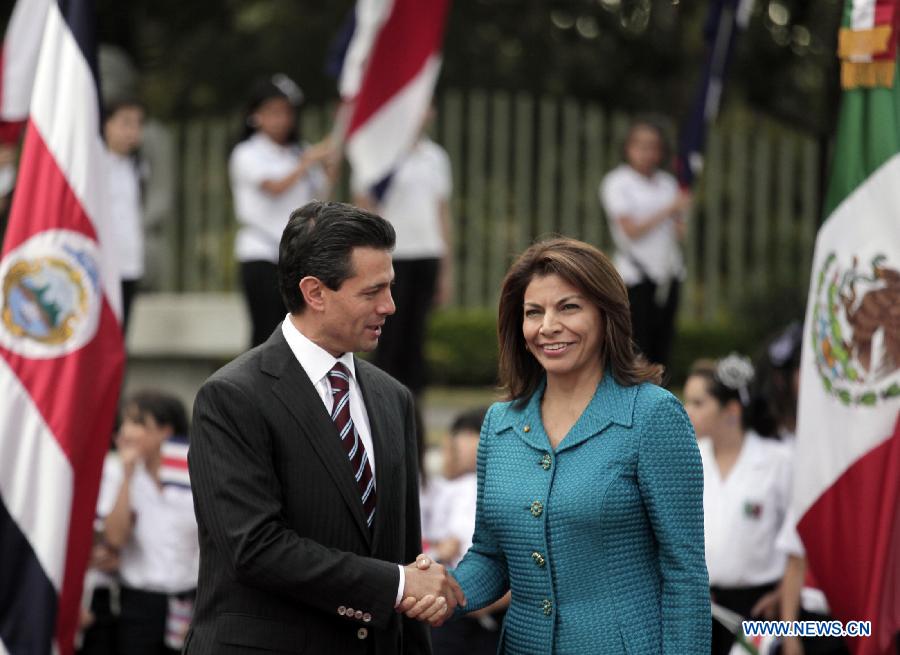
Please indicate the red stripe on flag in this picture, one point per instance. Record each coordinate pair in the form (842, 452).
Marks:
(44, 199)
(175, 463)
(852, 539)
(412, 33)
(76, 396)
(9, 130)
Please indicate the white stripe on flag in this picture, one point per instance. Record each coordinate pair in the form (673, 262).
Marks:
(21, 45)
(862, 16)
(63, 72)
(370, 16)
(833, 436)
(35, 476)
(374, 150)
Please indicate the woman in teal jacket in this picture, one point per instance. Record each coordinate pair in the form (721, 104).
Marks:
(590, 483)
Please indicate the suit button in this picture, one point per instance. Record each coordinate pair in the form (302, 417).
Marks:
(349, 613)
(537, 508)
(367, 618)
(358, 615)
(362, 633)
(546, 461)
(538, 559)
(527, 428)
(342, 610)
(546, 607)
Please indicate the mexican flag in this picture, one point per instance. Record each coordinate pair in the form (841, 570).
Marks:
(847, 483)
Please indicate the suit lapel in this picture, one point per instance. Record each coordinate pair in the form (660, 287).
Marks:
(383, 428)
(294, 389)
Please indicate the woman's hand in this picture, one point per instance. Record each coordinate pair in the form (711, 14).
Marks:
(433, 608)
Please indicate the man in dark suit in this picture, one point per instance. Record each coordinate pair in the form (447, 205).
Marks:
(303, 465)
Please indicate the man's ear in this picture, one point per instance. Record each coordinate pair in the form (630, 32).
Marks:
(313, 292)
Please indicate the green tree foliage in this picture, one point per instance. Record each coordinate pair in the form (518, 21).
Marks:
(197, 57)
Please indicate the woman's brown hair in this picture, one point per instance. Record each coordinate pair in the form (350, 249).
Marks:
(589, 270)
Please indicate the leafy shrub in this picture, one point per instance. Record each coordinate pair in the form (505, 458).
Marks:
(461, 347)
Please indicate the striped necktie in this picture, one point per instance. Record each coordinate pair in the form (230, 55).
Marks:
(339, 377)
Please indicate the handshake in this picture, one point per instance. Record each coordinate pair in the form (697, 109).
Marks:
(430, 593)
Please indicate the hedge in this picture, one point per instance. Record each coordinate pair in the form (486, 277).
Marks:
(461, 348)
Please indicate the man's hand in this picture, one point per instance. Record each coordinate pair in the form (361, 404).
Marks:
(430, 593)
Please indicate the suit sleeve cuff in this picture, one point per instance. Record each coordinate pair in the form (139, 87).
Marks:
(400, 586)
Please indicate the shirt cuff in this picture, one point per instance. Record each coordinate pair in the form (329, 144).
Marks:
(400, 586)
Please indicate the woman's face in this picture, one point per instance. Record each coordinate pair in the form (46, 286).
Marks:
(561, 326)
(275, 118)
(705, 412)
(644, 150)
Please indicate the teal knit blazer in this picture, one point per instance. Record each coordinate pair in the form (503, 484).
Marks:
(601, 539)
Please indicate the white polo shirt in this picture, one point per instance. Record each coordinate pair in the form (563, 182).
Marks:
(263, 216)
(163, 552)
(412, 201)
(124, 196)
(744, 513)
(625, 192)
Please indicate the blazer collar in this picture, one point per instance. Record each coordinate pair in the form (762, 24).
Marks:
(388, 446)
(611, 403)
(294, 389)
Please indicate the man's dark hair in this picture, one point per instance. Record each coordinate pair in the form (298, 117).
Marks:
(469, 421)
(319, 240)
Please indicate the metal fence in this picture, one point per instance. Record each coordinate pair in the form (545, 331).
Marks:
(523, 167)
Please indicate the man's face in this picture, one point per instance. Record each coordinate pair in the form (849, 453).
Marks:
(354, 314)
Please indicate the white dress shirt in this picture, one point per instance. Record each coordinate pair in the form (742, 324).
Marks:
(316, 362)
(744, 512)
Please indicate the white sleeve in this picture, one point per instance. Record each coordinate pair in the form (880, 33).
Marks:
(787, 540)
(614, 196)
(244, 167)
(110, 483)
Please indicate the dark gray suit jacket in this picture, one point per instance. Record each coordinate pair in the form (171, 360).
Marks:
(283, 541)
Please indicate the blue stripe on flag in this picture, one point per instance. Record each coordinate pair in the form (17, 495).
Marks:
(380, 189)
(81, 17)
(720, 28)
(337, 49)
(26, 619)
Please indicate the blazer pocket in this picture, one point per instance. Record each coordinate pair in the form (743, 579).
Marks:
(259, 633)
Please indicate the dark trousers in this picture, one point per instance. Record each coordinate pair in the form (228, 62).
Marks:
(142, 623)
(652, 324)
(740, 600)
(260, 283)
(129, 289)
(466, 636)
(100, 637)
(401, 348)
